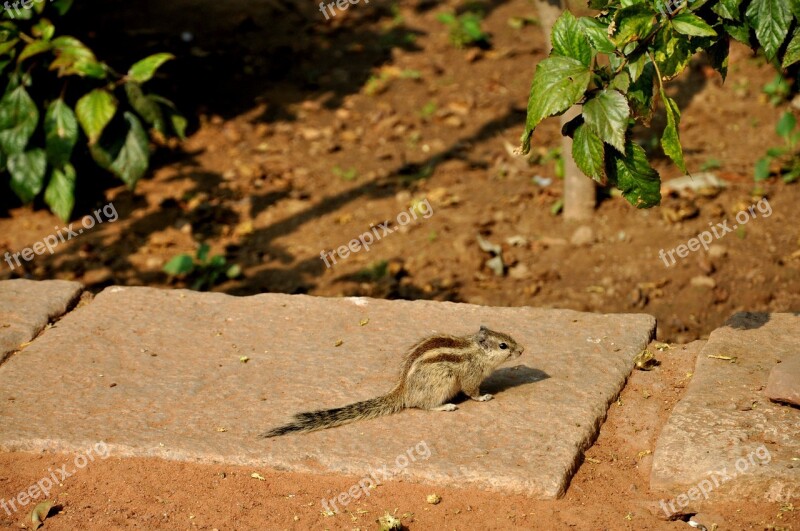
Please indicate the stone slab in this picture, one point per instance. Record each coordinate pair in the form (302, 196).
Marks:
(783, 384)
(26, 306)
(160, 373)
(725, 432)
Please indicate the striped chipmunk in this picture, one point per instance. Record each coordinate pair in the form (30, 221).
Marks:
(434, 371)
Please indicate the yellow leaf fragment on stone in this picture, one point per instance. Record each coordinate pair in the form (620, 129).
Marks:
(720, 357)
(256, 475)
(363, 321)
(338, 343)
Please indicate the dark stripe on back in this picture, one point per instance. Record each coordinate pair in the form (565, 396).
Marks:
(436, 342)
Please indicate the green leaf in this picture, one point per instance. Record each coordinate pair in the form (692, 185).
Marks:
(62, 6)
(95, 110)
(43, 29)
(771, 20)
(792, 54)
(728, 9)
(588, 153)
(179, 124)
(597, 33)
(61, 133)
(690, 24)
(74, 58)
(739, 31)
(234, 271)
(633, 23)
(637, 65)
(670, 140)
(607, 115)
(559, 82)
(672, 53)
(143, 70)
(640, 94)
(183, 264)
(632, 174)
(761, 170)
(8, 46)
(18, 119)
(446, 18)
(202, 253)
(621, 82)
(786, 125)
(60, 192)
(134, 157)
(34, 48)
(27, 173)
(569, 40)
(146, 106)
(20, 14)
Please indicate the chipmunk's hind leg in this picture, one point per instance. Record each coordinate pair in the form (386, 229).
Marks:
(431, 387)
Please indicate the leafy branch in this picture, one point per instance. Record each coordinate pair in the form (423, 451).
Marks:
(82, 100)
(612, 64)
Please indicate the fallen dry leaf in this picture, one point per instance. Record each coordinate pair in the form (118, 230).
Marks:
(40, 512)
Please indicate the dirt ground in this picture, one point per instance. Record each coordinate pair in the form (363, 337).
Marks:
(610, 491)
(306, 133)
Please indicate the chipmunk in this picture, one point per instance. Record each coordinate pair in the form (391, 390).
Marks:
(434, 371)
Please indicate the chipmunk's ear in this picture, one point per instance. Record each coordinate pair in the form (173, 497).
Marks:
(482, 334)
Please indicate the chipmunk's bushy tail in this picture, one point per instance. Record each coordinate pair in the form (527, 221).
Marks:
(328, 418)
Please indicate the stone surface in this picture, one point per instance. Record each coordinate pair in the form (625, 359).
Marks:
(161, 373)
(725, 436)
(26, 306)
(783, 384)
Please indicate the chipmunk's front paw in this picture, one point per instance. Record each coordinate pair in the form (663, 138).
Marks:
(446, 407)
(484, 398)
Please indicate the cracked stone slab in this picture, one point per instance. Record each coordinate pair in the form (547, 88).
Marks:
(725, 434)
(197, 377)
(26, 306)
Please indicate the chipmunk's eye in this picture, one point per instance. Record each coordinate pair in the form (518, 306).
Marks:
(503, 346)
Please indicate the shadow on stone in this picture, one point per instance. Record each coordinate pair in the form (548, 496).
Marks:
(747, 320)
(508, 377)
